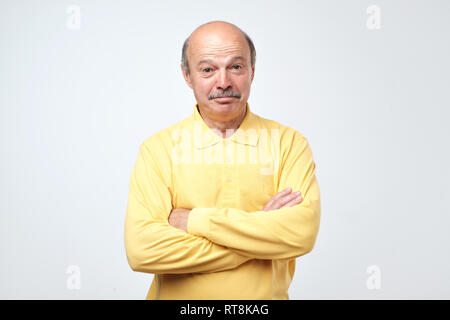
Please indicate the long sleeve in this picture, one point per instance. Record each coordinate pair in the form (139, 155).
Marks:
(152, 244)
(278, 234)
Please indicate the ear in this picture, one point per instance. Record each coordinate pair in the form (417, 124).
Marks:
(253, 73)
(186, 76)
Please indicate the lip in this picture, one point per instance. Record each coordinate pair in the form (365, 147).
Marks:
(225, 99)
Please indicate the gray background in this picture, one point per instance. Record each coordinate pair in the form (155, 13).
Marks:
(76, 104)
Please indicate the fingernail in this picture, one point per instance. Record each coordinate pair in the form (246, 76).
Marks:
(287, 189)
(297, 193)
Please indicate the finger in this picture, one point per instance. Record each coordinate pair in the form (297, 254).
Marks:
(277, 196)
(289, 197)
(294, 202)
(281, 194)
(282, 202)
(279, 204)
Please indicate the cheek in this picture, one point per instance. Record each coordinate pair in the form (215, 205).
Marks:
(243, 84)
(204, 87)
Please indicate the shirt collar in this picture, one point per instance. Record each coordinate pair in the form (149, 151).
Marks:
(246, 134)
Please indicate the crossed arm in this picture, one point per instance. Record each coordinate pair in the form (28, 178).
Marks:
(178, 217)
(212, 239)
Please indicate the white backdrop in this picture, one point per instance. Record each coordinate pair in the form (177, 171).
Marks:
(368, 87)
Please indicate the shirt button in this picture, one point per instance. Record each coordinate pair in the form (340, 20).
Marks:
(229, 179)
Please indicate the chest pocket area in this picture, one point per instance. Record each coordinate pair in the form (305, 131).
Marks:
(267, 185)
(256, 188)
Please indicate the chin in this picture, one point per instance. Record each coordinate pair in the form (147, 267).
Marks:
(225, 107)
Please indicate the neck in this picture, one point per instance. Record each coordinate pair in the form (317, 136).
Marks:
(227, 128)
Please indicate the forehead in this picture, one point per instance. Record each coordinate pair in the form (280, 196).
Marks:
(222, 45)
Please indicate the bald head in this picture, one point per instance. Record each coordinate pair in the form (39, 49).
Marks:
(212, 33)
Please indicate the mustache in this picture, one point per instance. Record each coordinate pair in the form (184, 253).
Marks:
(233, 94)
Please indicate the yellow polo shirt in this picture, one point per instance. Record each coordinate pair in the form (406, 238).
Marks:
(232, 248)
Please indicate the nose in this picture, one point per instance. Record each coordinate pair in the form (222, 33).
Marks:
(223, 81)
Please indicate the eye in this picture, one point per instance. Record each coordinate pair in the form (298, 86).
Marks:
(206, 70)
(236, 67)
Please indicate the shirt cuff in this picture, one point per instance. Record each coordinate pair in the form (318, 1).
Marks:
(198, 222)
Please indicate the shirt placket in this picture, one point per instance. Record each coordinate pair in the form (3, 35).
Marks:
(230, 180)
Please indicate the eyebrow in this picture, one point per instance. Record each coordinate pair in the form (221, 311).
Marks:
(211, 61)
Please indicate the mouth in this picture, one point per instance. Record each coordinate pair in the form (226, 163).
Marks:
(225, 99)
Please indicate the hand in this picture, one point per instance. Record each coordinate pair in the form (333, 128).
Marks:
(283, 199)
(178, 218)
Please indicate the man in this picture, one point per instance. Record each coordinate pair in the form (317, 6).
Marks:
(212, 210)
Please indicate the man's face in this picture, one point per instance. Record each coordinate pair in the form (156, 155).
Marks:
(220, 73)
